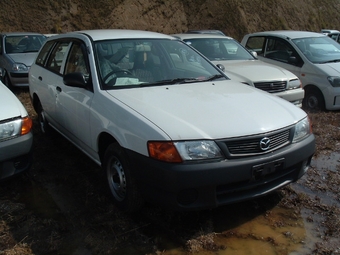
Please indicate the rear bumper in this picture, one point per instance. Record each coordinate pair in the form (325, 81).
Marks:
(16, 156)
(205, 185)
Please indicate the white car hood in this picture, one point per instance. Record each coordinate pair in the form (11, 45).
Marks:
(10, 105)
(25, 58)
(255, 71)
(210, 110)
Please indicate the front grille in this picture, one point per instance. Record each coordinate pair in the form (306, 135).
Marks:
(272, 87)
(249, 146)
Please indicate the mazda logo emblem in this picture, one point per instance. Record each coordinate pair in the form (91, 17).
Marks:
(265, 143)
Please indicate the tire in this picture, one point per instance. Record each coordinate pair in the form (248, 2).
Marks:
(121, 183)
(7, 82)
(313, 100)
(43, 123)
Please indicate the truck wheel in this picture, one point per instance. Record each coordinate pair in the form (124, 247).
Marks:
(313, 100)
(121, 183)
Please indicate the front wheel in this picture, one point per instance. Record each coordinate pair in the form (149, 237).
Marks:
(7, 82)
(121, 183)
(313, 99)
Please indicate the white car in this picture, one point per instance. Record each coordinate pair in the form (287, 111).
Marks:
(166, 125)
(18, 50)
(16, 138)
(240, 65)
(313, 57)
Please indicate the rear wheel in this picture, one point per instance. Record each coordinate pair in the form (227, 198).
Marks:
(43, 123)
(313, 99)
(121, 183)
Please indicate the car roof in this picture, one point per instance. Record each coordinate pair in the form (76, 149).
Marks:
(105, 34)
(184, 36)
(292, 34)
(206, 31)
(19, 33)
(329, 31)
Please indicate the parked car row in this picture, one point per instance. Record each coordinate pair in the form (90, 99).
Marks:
(241, 65)
(167, 125)
(170, 122)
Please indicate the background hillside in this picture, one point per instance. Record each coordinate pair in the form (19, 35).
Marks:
(234, 17)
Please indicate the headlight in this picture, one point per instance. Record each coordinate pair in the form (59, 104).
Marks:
(334, 81)
(196, 150)
(177, 152)
(294, 84)
(14, 128)
(302, 130)
(19, 67)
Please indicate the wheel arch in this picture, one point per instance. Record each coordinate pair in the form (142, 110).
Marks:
(36, 102)
(313, 88)
(104, 140)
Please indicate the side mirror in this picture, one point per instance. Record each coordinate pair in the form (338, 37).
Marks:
(220, 66)
(254, 53)
(292, 60)
(75, 80)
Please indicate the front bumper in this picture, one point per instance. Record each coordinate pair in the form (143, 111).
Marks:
(206, 185)
(16, 155)
(19, 79)
(294, 96)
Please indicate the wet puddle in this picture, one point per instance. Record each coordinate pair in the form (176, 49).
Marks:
(240, 229)
(276, 231)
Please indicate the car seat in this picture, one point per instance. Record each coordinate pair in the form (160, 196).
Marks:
(143, 63)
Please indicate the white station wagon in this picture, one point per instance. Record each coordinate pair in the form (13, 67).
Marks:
(166, 125)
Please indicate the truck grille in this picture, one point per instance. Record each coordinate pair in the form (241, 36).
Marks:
(272, 87)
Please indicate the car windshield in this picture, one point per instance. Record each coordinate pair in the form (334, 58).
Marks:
(23, 43)
(139, 63)
(216, 49)
(319, 50)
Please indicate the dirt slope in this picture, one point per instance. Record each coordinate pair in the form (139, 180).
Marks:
(234, 17)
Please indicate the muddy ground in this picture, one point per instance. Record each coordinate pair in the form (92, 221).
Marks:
(61, 207)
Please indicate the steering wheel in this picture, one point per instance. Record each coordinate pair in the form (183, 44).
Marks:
(113, 80)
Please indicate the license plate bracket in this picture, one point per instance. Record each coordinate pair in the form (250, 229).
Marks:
(261, 170)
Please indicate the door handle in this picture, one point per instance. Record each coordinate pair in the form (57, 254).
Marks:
(58, 89)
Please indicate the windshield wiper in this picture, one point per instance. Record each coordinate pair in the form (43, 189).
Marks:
(181, 81)
(214, 77)
(331, 61)
(170, 81)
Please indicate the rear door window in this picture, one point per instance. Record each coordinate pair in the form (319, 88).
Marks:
(43, 54)
(56, 58)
